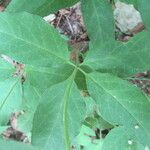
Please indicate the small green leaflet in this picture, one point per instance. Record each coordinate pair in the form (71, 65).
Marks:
(40, 7)
(59, 116)
(121, 103)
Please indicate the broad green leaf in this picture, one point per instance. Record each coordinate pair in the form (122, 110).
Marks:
(10, 98)
(59, 116)
(106, 54)
(40, 7)
(121, 103)
(118, 139)
(124, 59)
(7, 145)
(98, 17)
(143, 6)
(30, 40)
(42, 78)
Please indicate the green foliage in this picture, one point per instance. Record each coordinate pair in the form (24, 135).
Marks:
(123, 59)
(61, 116)
(134, 2)
(123, 142)
(85, 140)
(15, 146)
(143, 7)
(40, 7)
(60, 97)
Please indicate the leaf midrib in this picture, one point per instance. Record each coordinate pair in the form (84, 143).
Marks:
(65, 108)
(112, 96)
(35, 45)
(5, 99)
(118, 102)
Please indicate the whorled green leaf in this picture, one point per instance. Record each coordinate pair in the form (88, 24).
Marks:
(40, 7)
(30, 40)
(59, 116)
(123, 59)
(121, 103)
(98, 18)
(143, 7)
(7, 145)
(118, 139)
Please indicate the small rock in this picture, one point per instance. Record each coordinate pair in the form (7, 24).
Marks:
(126, 17)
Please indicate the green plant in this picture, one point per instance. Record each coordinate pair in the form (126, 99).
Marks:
(48, 87)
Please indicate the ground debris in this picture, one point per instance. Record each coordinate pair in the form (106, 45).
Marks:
(12, 132)
(70, 23)
(142, 80)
